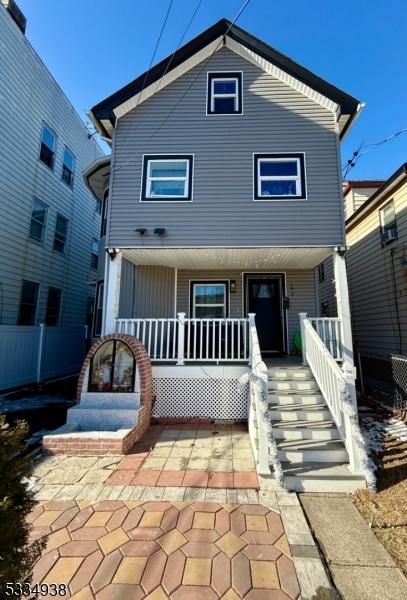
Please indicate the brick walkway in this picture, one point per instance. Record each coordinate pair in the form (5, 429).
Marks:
(128, 550)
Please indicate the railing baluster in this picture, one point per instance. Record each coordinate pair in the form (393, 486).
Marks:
(207, 339)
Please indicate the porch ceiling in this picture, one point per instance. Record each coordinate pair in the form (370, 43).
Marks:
(229, 258)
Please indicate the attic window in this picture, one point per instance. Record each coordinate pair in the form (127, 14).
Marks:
(224, 94)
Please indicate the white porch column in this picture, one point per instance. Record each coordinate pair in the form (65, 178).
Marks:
(112, 292)
(342, 299)
(302, 316)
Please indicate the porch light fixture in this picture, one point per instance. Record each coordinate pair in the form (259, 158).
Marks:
(232, 286)
(159, 231)
(141, 230)
(113, 252)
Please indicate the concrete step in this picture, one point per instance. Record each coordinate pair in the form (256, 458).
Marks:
(321, 477)
(305, 430)
(311, 451)
(290, 385)
(279, 374)
(280, 399)
(299, 412)
(104, 419)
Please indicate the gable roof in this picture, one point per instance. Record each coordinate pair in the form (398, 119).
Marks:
(104, 117)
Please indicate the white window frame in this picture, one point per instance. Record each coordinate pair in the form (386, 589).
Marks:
(145, 187)
(215, 95)
(43, 225)
(382, 223)
(300, 179)
(67, 150)
(58, 233)
(212, 77)
(53, 149)
(224, 304)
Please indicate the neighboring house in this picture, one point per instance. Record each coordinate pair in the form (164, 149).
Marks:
(376, 234)
(49, 230)
(224, 195)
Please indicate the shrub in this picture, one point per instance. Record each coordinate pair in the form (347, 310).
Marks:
(17, 557)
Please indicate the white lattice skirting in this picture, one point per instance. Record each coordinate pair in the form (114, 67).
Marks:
(204, 396)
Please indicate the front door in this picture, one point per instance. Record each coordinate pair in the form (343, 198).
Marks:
(264, 298)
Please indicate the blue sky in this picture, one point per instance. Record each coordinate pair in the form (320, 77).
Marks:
(93, 47)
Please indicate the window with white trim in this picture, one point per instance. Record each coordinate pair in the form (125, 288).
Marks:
(388, 223)
(224, 94)
(167, 177)
(38, 221)
(68, 167)
(48, 146)
(61, 233)
(279, 176)
(94, 257)
(209, 299)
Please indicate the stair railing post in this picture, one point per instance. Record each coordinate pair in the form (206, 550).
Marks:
(302, 316)
(181, 339)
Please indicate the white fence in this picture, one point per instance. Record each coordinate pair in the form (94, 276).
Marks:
(34, 354)
(190, 340)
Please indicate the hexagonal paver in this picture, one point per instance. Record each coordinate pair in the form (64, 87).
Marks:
(130, 569)
(171, 541)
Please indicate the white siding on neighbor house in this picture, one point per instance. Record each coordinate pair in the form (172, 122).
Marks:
(276, 118)
(378, 281)
(300, 290)
(29, 96)
(355, 198)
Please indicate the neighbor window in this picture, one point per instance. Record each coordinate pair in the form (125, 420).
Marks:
(38, 219)
(97, 319)
(388, 223)
(94, 259)
(224, 94)
(53, 306)
(28, 303)
(112, 368)
(321, 273)
(279, 176)
(48, 144)
(209, 300)
(167, 177)
(68, 167)
(61, 232)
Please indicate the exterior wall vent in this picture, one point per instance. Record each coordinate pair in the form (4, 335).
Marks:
(15, 14)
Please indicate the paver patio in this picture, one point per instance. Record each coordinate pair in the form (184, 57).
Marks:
(115, 550)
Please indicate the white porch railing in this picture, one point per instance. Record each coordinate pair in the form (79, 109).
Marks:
(188, 340)
(333, 385)
(328, 329)
(260, 429)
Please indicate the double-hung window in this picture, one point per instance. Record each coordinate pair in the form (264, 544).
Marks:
(388, 223)
(53, 306)
(68, 167)
(48, 146)
(167, 177)
(94, 257)
(321, 273)
(28, 303)
(224, 94)
(38, 220)
(279, 176)
(209, 299)
(61, 232)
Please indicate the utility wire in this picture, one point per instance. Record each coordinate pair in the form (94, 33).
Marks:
(240, 12)
(357, 155)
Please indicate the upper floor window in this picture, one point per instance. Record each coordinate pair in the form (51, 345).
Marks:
(224, 94)
(53, 306)
(209, 300)
(48, 146)
(94, 259)
(321, 273)
(388, 223)
(38, 219)
(167, 177)
(68, 167)
(28, 303)
(61, 232)
(279, 176)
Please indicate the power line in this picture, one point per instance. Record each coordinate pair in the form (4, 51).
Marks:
(357, 155)
(240, 12)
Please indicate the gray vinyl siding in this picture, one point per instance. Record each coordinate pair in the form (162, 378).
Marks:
(146, 292)
(300, 290)
(30, 96)
(326, 289)
(276, 119)
(377, 279)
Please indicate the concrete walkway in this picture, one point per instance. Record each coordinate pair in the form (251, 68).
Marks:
(360, 567)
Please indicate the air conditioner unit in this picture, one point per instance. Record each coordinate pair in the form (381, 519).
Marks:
(389, 236)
